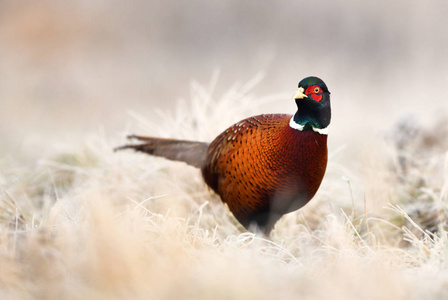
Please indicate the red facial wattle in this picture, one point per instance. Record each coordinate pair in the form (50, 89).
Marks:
(315, 92)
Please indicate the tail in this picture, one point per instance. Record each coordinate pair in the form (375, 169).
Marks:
(192, 153)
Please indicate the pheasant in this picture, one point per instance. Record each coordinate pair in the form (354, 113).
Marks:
(264, 166)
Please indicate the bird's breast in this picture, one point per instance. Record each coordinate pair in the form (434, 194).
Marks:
(298, 161)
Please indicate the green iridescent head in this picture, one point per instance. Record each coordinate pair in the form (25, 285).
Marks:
(313, 104)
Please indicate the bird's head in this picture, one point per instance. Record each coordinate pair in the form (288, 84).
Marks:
(312, 88)
(313, 105)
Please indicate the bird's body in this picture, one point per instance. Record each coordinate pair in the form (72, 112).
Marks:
(259, 169)
(263, 166)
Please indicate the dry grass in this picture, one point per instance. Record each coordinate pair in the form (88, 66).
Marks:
(93, 224)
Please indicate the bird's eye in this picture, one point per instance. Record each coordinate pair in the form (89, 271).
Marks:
(316, 90)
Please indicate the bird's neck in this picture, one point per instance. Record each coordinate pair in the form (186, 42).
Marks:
(309, 117)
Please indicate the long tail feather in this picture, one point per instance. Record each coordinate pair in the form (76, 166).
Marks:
(190, 152)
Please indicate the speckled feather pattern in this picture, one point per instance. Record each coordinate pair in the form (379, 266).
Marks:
(262, 168)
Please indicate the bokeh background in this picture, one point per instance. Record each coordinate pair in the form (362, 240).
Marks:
(78, 221)
(72, 67)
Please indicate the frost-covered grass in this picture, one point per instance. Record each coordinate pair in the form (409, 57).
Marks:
(88, 223)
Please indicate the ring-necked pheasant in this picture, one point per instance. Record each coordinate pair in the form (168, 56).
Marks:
(264, 166)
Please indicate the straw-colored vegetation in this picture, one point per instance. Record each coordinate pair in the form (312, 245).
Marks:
(93, 224)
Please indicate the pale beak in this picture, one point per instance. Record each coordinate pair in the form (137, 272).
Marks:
(299, 94)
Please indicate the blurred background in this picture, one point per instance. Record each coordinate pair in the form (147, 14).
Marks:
(69, 68)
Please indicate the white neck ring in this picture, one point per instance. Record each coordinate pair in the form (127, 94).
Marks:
(300, 127)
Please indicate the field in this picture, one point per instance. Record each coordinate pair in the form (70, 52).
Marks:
(79, 221)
